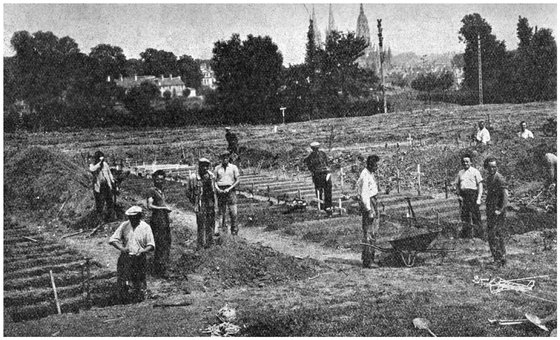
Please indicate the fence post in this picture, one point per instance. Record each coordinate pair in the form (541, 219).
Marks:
(419, 187)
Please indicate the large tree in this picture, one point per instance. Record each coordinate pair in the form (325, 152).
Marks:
(544, 70)
(533, 64)
(338, 63)
(110, 60)
(44, 68)
(189, 70)
(493, 54)
(159, 62)
(248, 78)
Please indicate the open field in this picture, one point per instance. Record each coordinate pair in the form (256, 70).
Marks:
(288, 274)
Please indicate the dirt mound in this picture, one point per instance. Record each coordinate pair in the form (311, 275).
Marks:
(237, 263)
(40, 180)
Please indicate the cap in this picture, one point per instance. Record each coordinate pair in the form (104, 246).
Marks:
(228, 128)
(314, 144)
(225, 154)
(204, 160)
(134, 210)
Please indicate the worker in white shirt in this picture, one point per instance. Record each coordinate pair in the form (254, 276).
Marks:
(367, 190)
(483, 136)
(524, 133)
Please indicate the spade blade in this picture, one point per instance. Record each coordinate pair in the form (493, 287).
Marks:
(422, 323)
(535, 320)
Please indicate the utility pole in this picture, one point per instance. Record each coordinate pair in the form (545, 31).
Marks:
(381, 59)
(480, 98)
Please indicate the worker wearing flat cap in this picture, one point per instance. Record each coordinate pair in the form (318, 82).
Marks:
(133, 239)
(317, 162)
(203, 200)
(227, 179)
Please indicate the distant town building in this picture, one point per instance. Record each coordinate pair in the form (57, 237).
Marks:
(174, 85)
(208, 79)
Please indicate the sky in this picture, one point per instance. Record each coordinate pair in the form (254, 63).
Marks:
(192, 29)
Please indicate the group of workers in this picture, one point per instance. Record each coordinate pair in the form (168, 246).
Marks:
(135, 238)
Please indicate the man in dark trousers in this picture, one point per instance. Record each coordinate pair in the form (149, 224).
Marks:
(160, 224)
(203, 197)
(227, 178)
(496, 203)
(232, 141)
(133, 239)
(469, 189)
(318, 164)
(367, 190)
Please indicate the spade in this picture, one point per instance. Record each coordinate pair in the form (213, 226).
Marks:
(535, 320)
(422, 323)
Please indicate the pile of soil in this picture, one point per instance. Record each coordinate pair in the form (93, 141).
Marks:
(39, 180)
(235, 263)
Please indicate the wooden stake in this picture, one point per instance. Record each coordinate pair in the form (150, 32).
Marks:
(398, 181)
(342, 179)
(419, 188)
(55, 293)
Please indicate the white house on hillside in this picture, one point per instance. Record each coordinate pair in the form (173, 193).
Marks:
(174, 85)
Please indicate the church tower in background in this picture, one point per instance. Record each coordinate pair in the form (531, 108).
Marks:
(370, 60)
(331, 27)
(316, 31)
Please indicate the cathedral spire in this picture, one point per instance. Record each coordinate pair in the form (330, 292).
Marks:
(362, 29)
(331, 27)
(316, 31)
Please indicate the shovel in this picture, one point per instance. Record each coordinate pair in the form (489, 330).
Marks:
(422, 323)
(535, 320)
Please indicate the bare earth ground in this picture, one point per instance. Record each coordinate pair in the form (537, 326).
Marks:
(321, 288)
(340, 286)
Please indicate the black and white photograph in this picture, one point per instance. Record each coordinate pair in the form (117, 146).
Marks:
(280, 169)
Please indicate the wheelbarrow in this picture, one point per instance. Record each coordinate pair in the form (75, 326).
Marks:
(409, 247)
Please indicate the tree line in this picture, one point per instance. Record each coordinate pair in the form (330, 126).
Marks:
(50, 83)
(60, 86)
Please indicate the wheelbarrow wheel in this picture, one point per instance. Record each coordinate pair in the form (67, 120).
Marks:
(408, 259)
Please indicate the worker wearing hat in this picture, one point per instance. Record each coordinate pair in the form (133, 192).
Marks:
(317, 162)
(133, 239)
(203, 198)
(227, 179)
